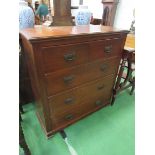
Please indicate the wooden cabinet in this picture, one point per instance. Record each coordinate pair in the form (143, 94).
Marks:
(109, 11)
(73, 70)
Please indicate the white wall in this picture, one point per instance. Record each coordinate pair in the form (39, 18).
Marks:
(124, 14)
(95, 6)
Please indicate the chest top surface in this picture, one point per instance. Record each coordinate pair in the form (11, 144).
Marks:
(42, 32)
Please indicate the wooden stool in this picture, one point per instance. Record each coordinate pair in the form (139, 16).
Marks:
(128, 62)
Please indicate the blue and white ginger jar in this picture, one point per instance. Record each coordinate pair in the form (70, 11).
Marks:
(26, 15)
(83, 16)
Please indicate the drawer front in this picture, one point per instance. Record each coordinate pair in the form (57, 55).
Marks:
(82, 110)
(105, 48)
(69, 78)
(71, 99)
(64, 56)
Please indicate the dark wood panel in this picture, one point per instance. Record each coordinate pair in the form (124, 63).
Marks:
(68, 78)
(25, 89)
(41, 104)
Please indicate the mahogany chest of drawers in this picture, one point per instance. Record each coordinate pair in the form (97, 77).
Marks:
(72, 70)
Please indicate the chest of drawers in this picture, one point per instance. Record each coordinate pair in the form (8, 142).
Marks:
(72, 70)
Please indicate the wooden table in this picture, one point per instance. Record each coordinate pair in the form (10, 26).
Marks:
(130, 41)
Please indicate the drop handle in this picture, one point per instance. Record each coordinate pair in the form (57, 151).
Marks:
(69, 117)
(98, 102)
(101, 87)
(69, 100)
(68, 79)
(70, 56)
(103, 67)
(108, 49)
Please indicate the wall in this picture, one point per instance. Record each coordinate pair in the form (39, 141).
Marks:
(95, 6)
(124, 14)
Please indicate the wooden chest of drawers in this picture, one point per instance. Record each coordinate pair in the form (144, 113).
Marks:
(72, 69)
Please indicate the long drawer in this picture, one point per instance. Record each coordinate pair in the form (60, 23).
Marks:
(71, 99)
(72, 77)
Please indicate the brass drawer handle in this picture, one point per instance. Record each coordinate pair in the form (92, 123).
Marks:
(69, 117)
(69, 100)
(98, 102)
(68, 79)
(103, 67)
(70, 56)
(108, 49)
(101, 87)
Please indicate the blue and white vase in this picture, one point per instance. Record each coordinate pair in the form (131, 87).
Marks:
(26, 15)
(83, 16)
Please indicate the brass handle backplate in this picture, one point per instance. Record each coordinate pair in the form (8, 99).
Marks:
(101, 87)
(69, 100)
(70, 56)
(98, 102)
(69, 117)
(103, 67)
(108, 49)
(68, 79)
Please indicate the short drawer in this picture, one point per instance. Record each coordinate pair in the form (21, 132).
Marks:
(64, 56)
(105, 48)
(71, 99)
(72, 77)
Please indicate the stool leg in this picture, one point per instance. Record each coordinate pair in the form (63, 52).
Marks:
(113, 97)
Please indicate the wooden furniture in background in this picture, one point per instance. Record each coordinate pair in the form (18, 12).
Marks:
(62, 13)
(109, 11)
(73, 70)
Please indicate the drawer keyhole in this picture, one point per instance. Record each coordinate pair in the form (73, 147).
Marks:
(68, 79)
(69, 101)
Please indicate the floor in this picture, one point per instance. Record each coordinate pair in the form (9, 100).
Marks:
(109, 131)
